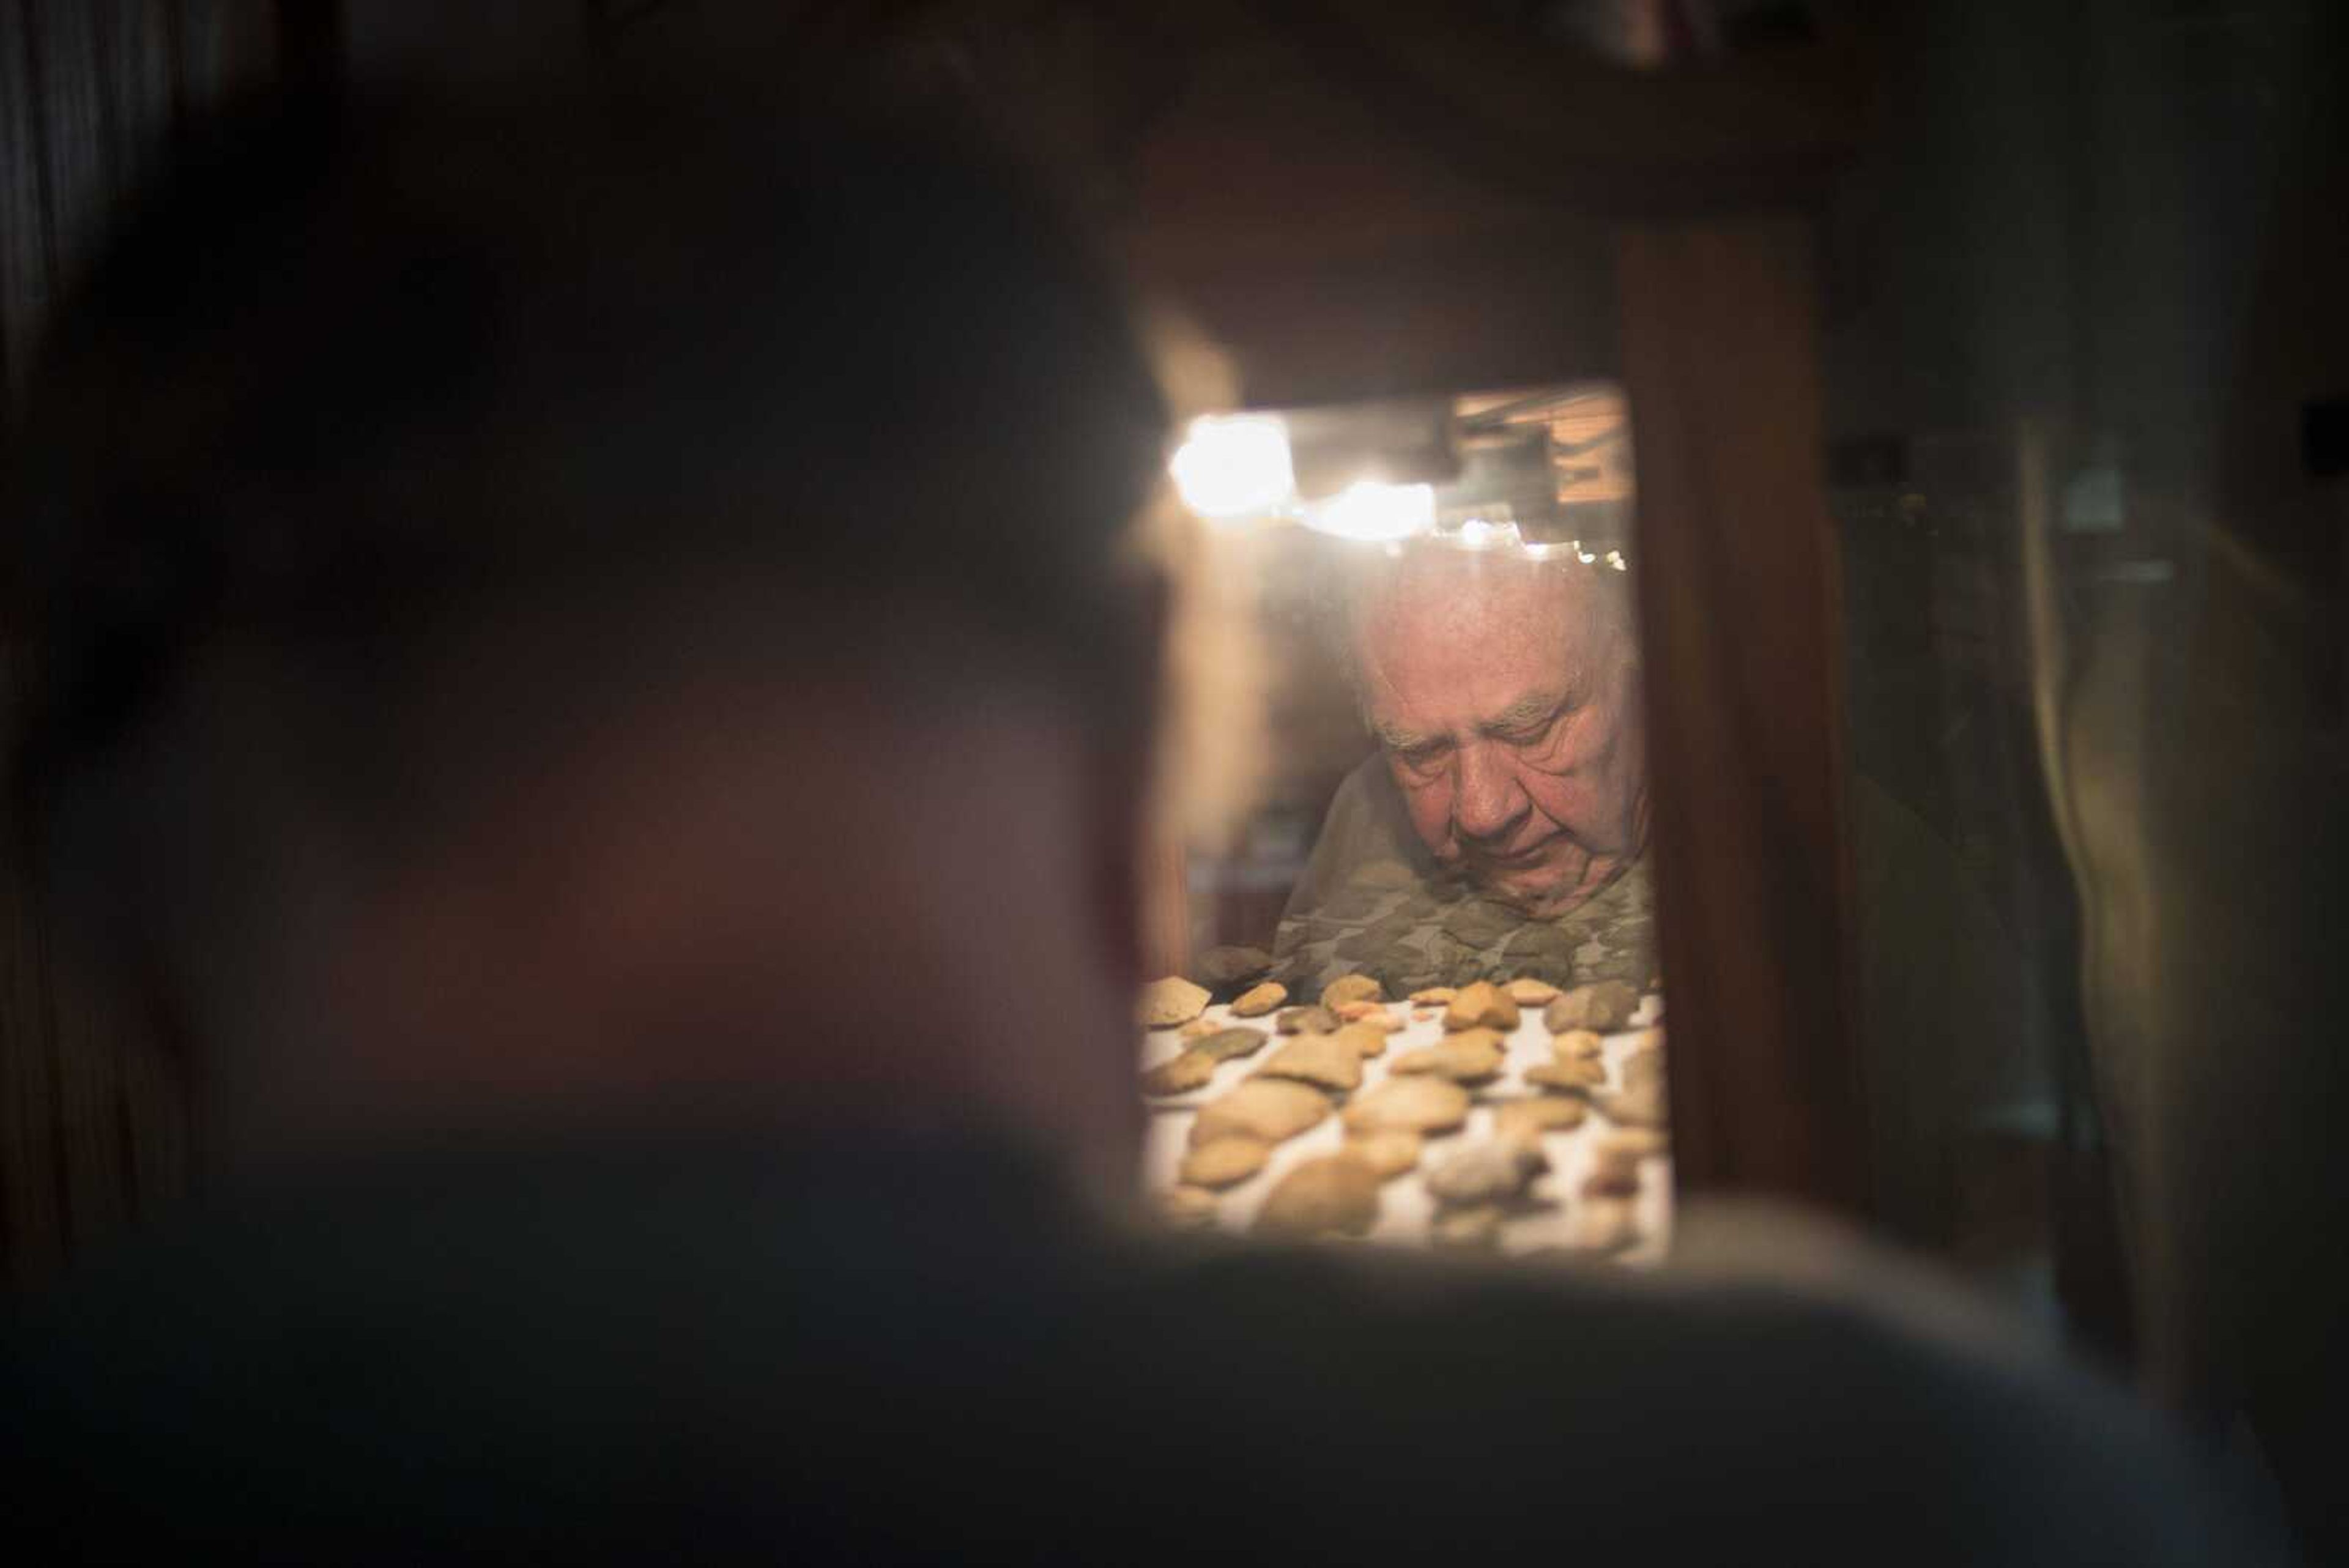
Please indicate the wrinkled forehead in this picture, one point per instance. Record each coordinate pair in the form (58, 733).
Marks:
(1429, 609)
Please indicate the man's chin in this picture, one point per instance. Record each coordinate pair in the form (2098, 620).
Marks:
(1538, 893)
(1544, 892)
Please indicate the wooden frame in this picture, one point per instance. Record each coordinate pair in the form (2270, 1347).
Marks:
(1357, 199)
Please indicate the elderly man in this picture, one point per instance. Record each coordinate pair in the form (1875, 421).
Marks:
(1502, 825)
(1501, 829)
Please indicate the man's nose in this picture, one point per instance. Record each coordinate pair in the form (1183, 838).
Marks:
(1488, 803)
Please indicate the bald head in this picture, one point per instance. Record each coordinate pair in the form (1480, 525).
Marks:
(1505, 694)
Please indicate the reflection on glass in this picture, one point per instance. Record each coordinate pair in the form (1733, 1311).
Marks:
(1447, 853)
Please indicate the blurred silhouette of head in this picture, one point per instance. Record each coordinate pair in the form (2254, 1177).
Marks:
(551, 612)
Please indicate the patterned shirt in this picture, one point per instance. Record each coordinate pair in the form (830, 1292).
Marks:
(1374, 901)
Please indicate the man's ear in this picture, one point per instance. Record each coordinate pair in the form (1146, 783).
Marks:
(1129, 850)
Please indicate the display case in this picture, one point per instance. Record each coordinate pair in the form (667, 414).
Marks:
(1359, 215)
(1429, 1005)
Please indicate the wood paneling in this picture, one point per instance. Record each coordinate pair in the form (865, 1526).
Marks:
(1740, 604)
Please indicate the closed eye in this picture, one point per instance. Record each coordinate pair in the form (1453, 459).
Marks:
(1515, 730)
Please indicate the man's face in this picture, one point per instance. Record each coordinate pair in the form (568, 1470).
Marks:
(1506, 694)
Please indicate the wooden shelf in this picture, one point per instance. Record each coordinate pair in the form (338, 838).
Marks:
(1369, 199)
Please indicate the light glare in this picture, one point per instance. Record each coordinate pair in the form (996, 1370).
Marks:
(1482, 534)
(1233, 465)
(1369, 510)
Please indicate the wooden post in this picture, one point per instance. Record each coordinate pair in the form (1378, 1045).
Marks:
(1740, 598)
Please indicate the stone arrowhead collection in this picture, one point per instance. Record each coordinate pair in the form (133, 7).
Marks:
(1476, 1138)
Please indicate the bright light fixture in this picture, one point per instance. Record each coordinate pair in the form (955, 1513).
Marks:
(1483, 534)
(1369, 510)
(1233, 465)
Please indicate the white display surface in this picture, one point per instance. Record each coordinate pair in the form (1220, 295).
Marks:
(1405, 1210)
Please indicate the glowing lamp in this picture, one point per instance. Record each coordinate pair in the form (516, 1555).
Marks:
(1233, 465)
(1369, 510)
